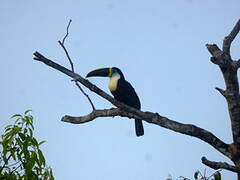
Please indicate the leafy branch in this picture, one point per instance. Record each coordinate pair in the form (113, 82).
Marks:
(21, 156)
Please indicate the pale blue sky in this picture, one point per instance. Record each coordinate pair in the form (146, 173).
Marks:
(160, 47)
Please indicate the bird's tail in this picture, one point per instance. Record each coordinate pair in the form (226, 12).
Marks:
(139, 127)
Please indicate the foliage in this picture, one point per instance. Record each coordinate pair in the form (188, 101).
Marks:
(199, 176)
(20, 155)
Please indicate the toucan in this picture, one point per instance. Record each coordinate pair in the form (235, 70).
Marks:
(122, 91)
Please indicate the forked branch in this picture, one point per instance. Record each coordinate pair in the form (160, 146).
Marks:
(72, 66)
(229, 70)
(228, 67)
(127, 111)
(229, 39)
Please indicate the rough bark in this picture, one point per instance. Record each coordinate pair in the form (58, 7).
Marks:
(220, 165)
(229, 68)
(127, 111)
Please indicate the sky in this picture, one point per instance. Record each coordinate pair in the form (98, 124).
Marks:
(160, 48)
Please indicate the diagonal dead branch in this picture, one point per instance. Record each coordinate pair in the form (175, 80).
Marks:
(220, 165)
(67, 54)
(72, 66)
(131, 112)
(229, 39)
(85, 94)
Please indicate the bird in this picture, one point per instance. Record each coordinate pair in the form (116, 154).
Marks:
(121, 90)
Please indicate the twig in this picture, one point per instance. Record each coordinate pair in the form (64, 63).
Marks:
(220, 165)
(67, 31)
(72, 66)
(236, 64)
(221, 91)
(85, 94)
(228, 39)
(64, 48)
(67, 54)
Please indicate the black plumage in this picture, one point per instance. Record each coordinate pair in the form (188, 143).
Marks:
(122, 91)
(126, 94)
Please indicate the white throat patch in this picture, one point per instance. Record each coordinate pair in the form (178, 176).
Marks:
(112, 85)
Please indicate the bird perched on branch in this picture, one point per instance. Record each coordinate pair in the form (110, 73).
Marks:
(122, 91)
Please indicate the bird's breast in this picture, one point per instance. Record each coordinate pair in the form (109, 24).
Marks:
(112, 85)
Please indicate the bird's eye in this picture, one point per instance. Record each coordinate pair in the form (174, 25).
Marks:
(114, 72)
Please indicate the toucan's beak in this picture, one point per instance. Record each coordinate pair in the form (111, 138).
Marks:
(103, 72)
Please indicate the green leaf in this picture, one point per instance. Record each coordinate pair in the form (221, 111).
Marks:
(26, 153)
(32, 126)
(196, 175)
(28, 120)
(41, 157)
(8, 127)
(45, 175)
(22, 136)
(17, 129)
(48, 174)
(33, 141)
(16, 115)
(8, 135)
(35, 158)
(31, 132)
(27, 111)
(32, 161)
(19, 142)
(41, 143)
(217, 176)
(12, 152)
(25, 131)
(51, 175)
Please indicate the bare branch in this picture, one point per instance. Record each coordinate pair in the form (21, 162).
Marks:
(228, 39)
(154, 118)
(214, 50)
(86, 83)
(132, 112)
(64, 48)
(229, 70)
(67, 54)
(85, 94)
(72, 66)
(218, 57)
(220, 165)
(99, 113)
(67, 31)
(221, 91)
(236, 64)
